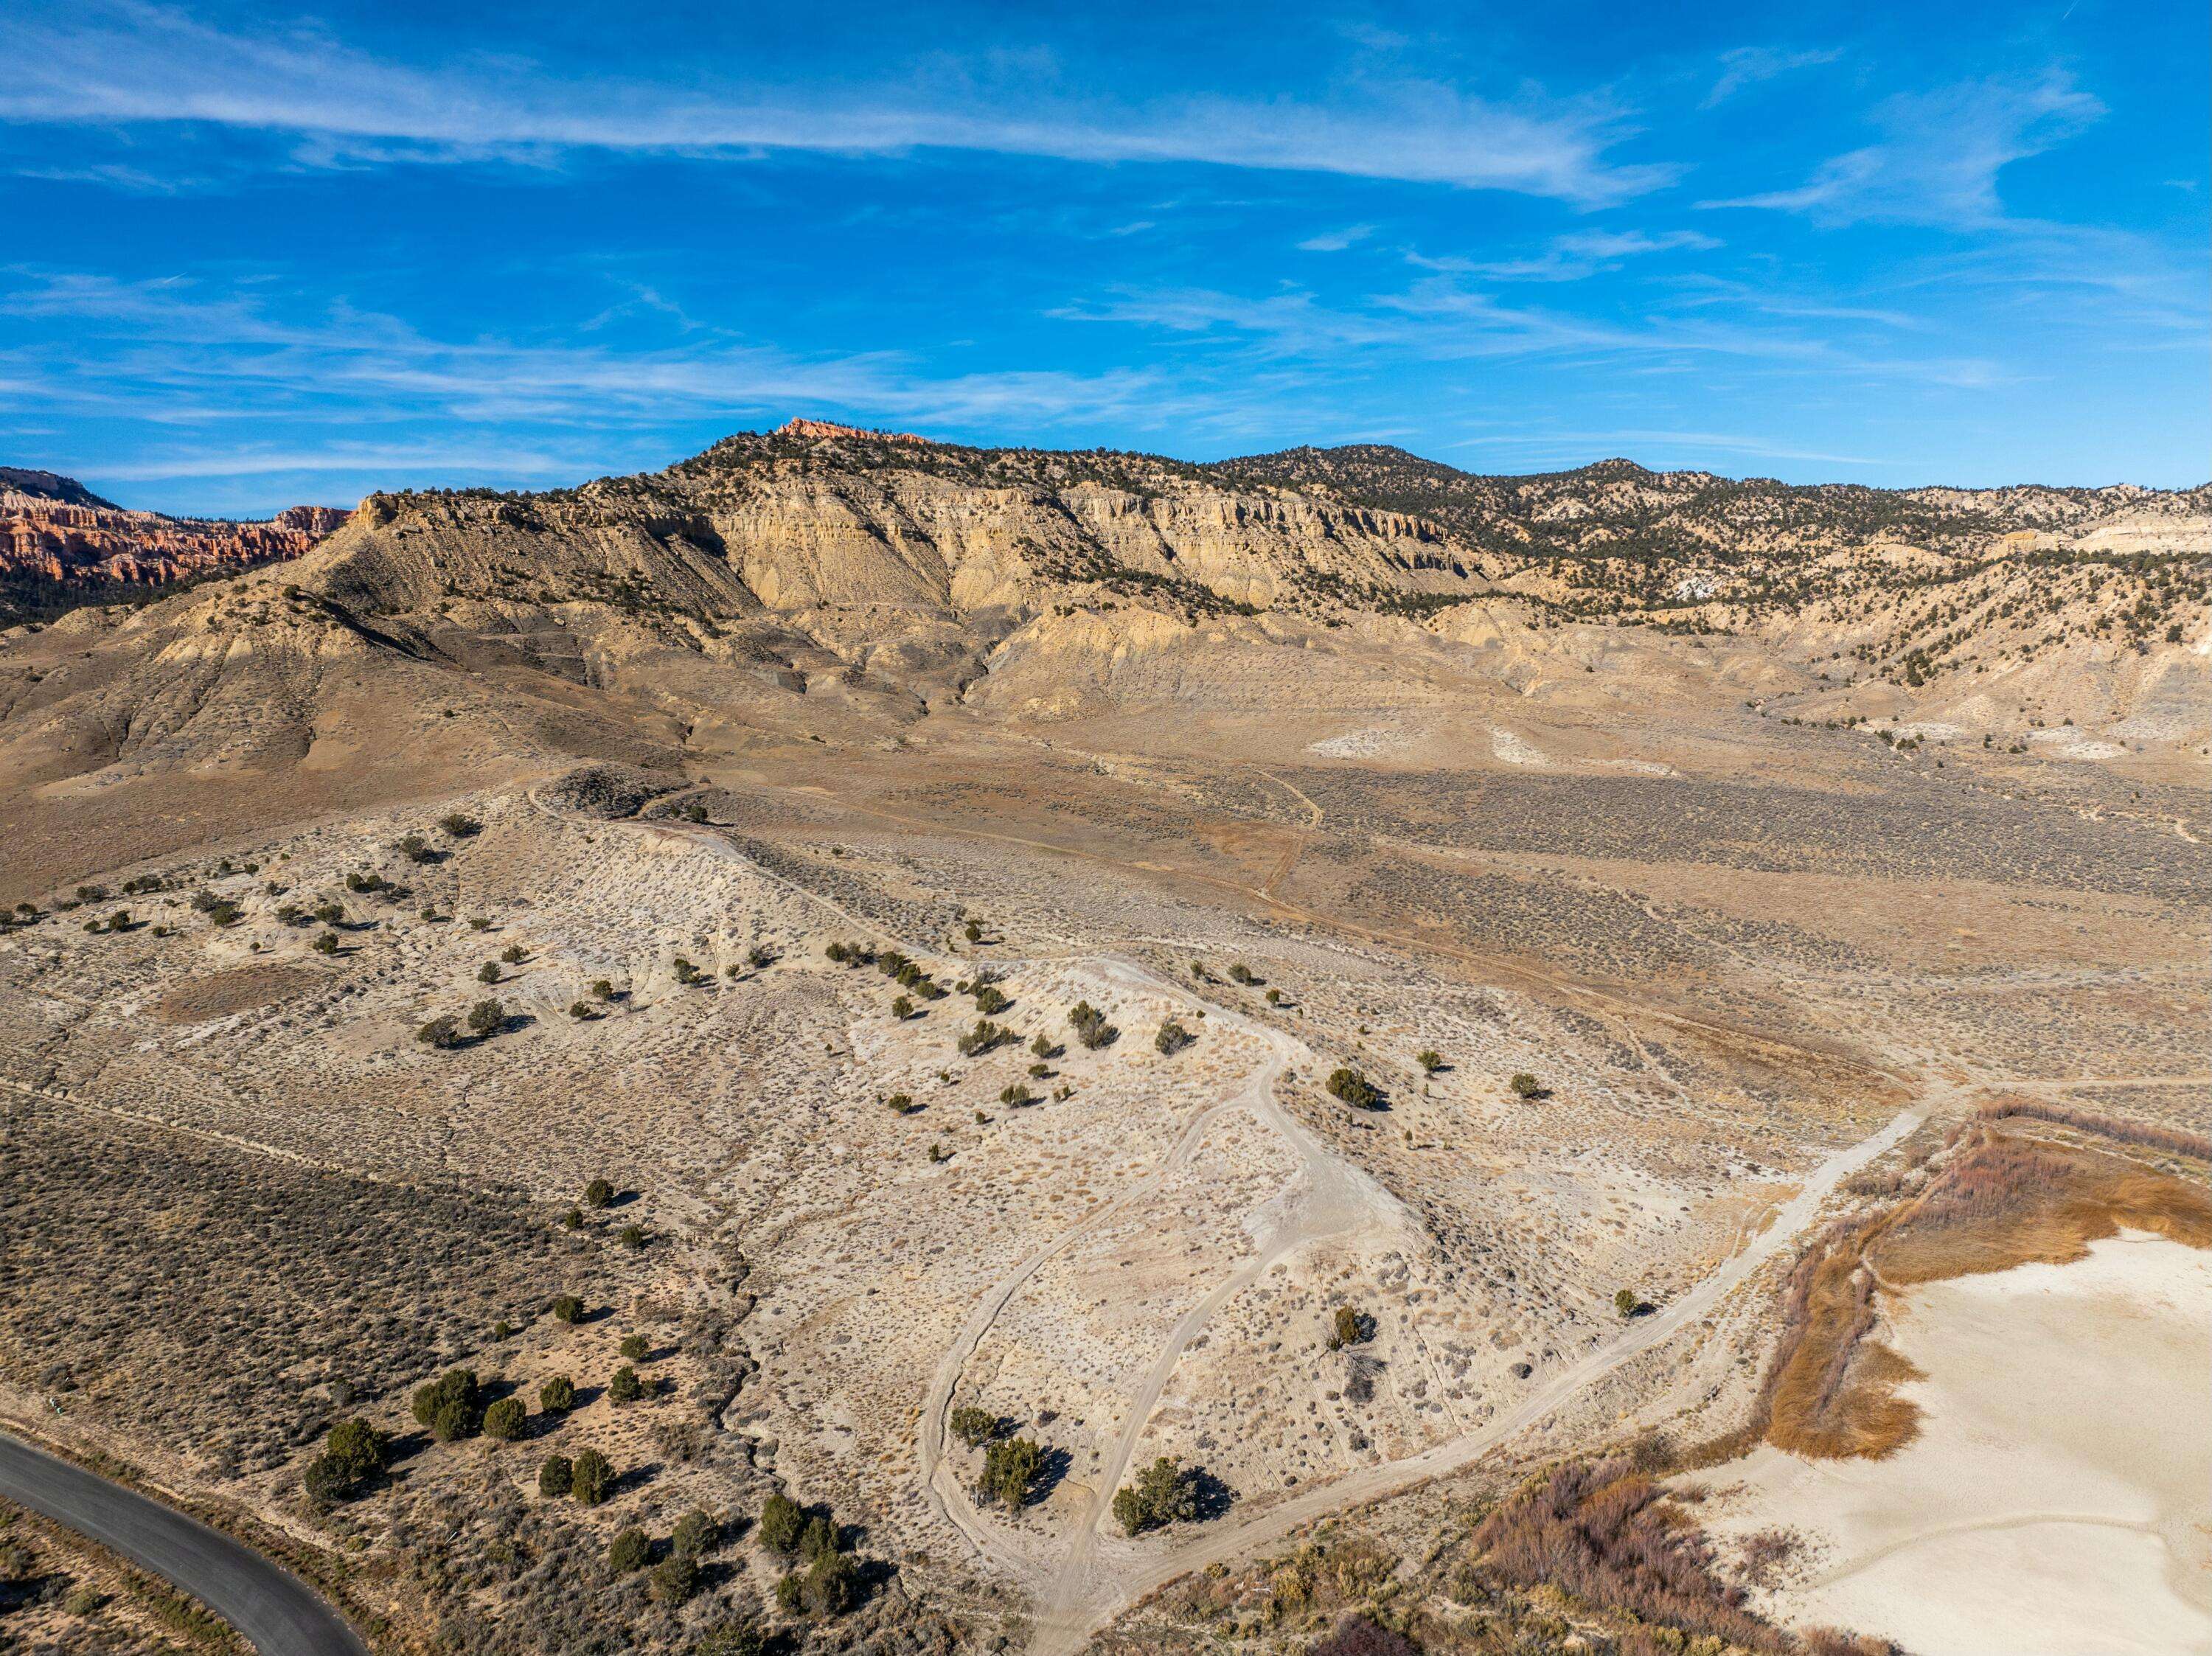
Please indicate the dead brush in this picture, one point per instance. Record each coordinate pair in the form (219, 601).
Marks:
(1994, 1201)
(1607, 1537)
(2172, 1140)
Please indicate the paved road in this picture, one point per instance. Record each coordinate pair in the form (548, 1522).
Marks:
(276, 1612)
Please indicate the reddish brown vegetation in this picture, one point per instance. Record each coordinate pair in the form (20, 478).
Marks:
(2170, 1139)
(1996, 1201)
(1356, 1635)
(1605, 1534)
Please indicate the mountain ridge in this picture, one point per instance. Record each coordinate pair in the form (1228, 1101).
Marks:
(61, 545)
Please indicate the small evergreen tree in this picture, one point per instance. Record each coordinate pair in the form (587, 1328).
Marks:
(594, 1479)
(675, 1580)
(696, 1534)
(1010, 1468)
(782, 1525)
(973, 1426)
(1354, 1088)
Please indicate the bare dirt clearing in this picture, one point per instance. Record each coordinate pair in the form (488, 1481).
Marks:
(2061, 1471)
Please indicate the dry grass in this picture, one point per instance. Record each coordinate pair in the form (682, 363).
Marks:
(227, 1302)
(240, 989)
(1996, 1201)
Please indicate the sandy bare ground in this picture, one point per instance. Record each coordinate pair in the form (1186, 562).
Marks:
(2058, 1501)
(1099, 1580)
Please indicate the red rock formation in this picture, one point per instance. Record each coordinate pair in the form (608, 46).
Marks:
(49, 536)
(803, 427)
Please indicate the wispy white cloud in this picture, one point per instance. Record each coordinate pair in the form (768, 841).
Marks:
(1439, 319)
(1573, 258)
(444, 459)
(124, 63)
(173, 348)
(1749, 65)
(1335, 241)
(1939, 156)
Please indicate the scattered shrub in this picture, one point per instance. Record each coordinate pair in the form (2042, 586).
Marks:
(782, 1525)
(986, 1035)
(557, 1396)
(697, 1533)
(1354, 1088)
(831, 1587)
(506, 1420)
(1170, 1038)
(1164, 1493)
(625, 1386)
(1090, 1026)
(675, 1580)
(567, 1308)
(452, 1406)
(1010, 1468)
(594, 1479)
(353, 1457)
(733, 1639)
(556, 1476)
(599, 1193)
(973, 1426)
(630, 1549)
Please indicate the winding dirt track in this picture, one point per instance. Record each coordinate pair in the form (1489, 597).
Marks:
(1100, 1575)
(1086, 1600)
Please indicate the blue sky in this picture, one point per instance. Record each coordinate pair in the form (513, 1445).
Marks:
(258, 255)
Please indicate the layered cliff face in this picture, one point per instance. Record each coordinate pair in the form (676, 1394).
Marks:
(60, 544)
(820, 583)
(815, 518)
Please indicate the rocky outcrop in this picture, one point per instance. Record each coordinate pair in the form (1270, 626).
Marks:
(59, 542)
